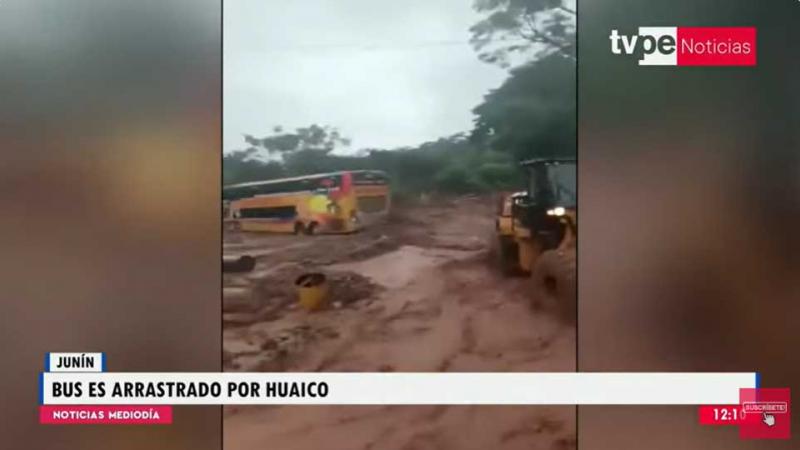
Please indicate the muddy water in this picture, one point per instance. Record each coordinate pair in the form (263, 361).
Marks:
(440, 310)
(399, 268)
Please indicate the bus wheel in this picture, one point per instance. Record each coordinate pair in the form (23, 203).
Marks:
(311, 228)
(298, 228)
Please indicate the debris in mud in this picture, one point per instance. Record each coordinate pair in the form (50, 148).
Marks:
(238, 263)
(273, 353)
(238, 299)
(255, 350)
(276, 287)
(347, 288)
(265, 295)
(269, 294)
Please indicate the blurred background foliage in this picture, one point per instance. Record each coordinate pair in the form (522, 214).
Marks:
(531, 114)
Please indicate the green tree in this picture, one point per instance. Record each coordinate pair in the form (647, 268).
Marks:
(314, 138)
(532, 114)
(244, 165)
(452, 164)
(498, 176)
(524, 30)
(457, 178)
(302, 151)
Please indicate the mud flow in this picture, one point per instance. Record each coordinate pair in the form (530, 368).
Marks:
(413, 294)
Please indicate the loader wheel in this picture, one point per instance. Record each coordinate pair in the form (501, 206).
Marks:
(509, 256)
(503, 254)
(554, 283)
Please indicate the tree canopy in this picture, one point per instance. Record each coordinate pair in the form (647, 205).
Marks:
(525, 29)
(532, 114)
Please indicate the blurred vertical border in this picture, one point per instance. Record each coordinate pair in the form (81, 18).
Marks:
(110, 130)
(690, 202)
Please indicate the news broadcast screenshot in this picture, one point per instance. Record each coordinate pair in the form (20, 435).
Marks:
(354, 224)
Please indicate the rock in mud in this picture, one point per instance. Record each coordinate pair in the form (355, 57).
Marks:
(239, 299)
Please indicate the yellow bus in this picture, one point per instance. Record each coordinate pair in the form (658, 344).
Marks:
(337, 202)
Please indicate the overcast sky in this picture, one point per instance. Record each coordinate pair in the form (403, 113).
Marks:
(386, 73)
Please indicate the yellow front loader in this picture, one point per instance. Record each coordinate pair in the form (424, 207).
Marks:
(536, 232)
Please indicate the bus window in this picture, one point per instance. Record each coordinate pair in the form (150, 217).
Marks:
(372, 204)
(278, 212)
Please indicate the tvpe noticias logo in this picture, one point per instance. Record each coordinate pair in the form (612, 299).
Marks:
(688, 46)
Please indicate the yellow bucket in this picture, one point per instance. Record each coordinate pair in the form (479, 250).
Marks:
(312, 290)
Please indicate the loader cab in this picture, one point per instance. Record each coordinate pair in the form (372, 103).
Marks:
(551, 183)
(545, 211)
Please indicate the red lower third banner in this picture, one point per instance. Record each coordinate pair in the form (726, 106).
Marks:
(112, 415)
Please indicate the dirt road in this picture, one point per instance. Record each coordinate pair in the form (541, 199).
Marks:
(415, 294)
